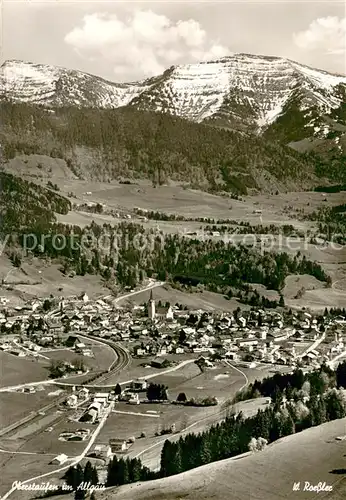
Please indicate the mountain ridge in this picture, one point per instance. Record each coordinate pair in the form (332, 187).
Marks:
(246, 91)
(270, 105)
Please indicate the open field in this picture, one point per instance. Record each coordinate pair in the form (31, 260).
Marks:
(278, 209)
(172, 198)
(103, 356)
(316, 295)
(48, 442)
(33, 442)
(222, 382)
(135, 370)
(311, 455)
(16, 405)
(208, 301)
(18, 467)
(40, 278)
(15, 370)
(192, 203)
(150, 453)
(175, 378)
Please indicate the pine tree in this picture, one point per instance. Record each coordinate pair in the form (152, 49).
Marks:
(182, 397)
(88, 472)
(176, 465)
(94, 476)
(205, 452)
(135, 470)
(117, 389)
(335, 406)
(123, 468)
(112, 472)
(80, 494)
(166, 457)
(74, 476)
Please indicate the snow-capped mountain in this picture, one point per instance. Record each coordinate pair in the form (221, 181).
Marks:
(240, 91)
(55, 86)
(244, 90)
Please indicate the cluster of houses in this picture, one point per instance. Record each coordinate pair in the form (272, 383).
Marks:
(115, 446)
(246, 337)
(158, 330)
(77, 397)
(96, 409)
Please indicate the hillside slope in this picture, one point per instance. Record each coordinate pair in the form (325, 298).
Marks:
(26, 204)
(310, 456)
(109, 144)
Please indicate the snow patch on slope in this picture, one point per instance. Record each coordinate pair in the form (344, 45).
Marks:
(249, 89)
(28, 82)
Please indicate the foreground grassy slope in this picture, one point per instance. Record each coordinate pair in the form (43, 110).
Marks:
(313, 455)
(109, 144)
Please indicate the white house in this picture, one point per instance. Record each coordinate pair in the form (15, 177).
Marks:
(242, 321)
(102, 398)
(103, 450)
(83, 393)
(72, 401)
(60, 459)
(118, 445)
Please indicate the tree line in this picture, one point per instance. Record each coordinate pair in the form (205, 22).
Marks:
(216, 265)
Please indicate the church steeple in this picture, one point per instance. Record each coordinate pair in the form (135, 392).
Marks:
(151, 306)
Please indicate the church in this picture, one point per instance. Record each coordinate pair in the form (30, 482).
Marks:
(160, 313)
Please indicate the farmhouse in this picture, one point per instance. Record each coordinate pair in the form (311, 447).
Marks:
(83, 393)
(100, 398)
(72, 341)
(159, 363)
(278, 335)
(103, 451)
(139, 385)
(72, 400)
(118, 445)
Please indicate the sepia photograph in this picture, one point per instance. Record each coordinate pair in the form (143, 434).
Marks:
(172, 249)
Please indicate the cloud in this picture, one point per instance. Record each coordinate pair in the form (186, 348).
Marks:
(144, 44)
(326, 34)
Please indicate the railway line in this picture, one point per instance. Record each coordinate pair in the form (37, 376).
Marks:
(123, 361)
(120, 363)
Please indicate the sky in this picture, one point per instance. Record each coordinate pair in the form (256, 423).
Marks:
(127, 41)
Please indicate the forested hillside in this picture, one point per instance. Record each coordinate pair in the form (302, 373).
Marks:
(25, 204)
(109, 144)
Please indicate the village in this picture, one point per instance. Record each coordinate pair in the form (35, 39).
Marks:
(160, 331)
(101, 379)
